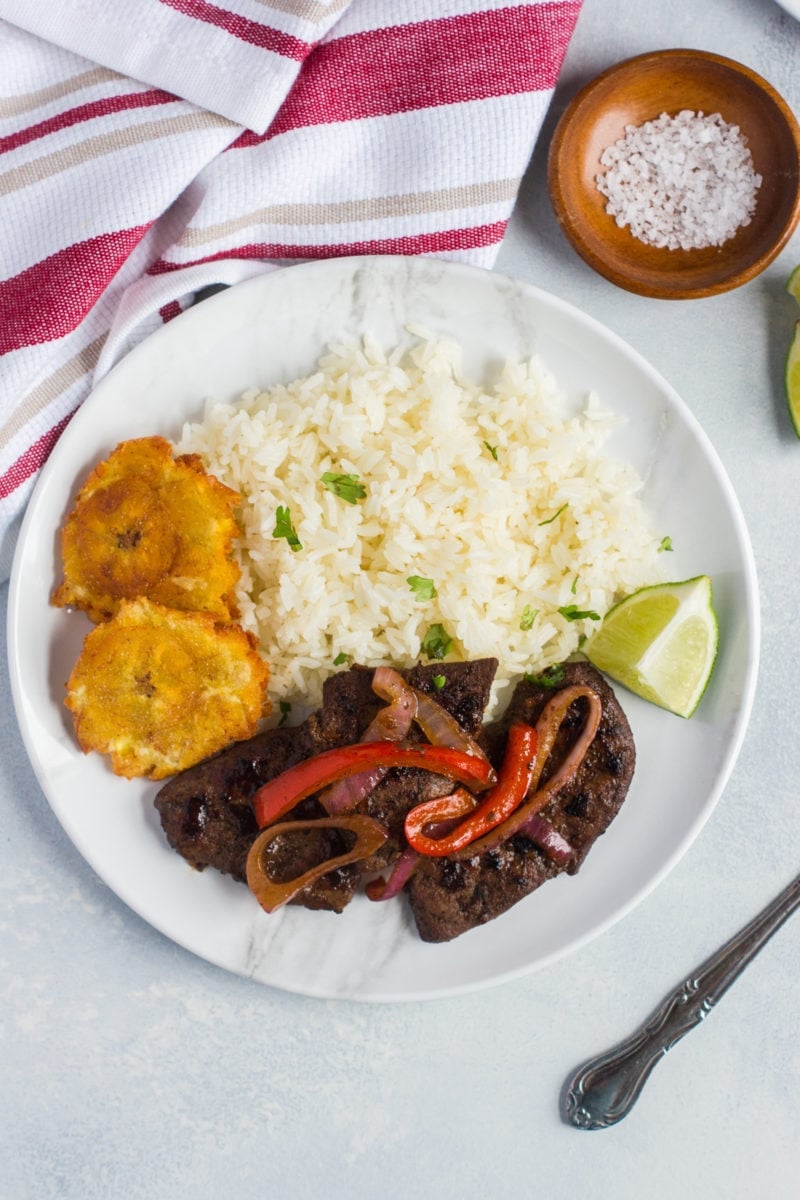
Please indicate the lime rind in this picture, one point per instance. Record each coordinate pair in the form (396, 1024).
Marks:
(661, 642)
(792, 377)
(793, 284)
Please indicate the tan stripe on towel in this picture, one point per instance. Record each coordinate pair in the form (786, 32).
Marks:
(12, 106)
(106, 143)
(46, 391)
(349, 211)
(307, 10)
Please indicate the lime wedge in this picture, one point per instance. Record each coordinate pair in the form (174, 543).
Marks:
(793, 284)
(792, 378)
(661, 643)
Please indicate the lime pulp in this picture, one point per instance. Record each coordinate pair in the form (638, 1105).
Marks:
(661, 643)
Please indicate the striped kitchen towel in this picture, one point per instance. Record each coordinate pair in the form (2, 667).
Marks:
(153, 149)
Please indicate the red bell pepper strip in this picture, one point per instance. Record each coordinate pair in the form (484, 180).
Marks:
(449, 810)
(287, 789)
(513, 782)
(540, 797)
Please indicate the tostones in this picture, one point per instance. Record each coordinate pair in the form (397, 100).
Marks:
(159, 690)
(148, 524)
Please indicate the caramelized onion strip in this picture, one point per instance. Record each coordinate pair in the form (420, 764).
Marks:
(551, 719)
(390, 724)
(271, 895)
(402, 870)
(441, 728)
(548, 839)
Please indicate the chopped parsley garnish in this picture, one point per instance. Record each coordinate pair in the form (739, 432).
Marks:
(423, 589)
(285, 529)
(492, 450)
(346, 487)
(574, 587)
(285, 708)
(528, 617)
(665, 544)
(557, 513)
(436, 642)
(438, 682)
(549, 677)
(341, 658)
(573, 613)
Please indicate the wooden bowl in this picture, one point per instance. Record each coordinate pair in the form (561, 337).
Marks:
(639, 90)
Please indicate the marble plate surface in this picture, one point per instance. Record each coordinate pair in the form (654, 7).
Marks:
(271, 329)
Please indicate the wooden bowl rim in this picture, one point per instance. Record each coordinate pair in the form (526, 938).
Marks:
(669, 290)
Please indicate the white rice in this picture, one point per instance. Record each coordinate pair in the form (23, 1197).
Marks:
(438, 505)
(680, 182)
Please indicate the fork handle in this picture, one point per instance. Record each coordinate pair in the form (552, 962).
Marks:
(604, 1089)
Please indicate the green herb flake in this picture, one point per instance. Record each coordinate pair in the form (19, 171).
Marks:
(492, 450)
(557, 513)
(346, 487)
(423, 589)
(285, 529)
(436, 642)
(572, 613)
(550, 677)
(341, 659)
(529, 615)
(285, 708)
(574, 587)
(438, 682)
(665, 544)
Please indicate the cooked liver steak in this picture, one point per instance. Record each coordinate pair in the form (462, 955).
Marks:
(207, 815)
(206, 811)
(449, 897)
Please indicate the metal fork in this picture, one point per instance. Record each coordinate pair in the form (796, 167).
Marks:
(604, 1089)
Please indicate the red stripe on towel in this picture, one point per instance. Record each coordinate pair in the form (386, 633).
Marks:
(52, 297)
(85, 112)
(470, 57)
(33, 458)
(263, 36)
(169, 311)
(472, 238)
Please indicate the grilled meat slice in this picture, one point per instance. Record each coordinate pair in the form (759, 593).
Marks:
(207, 816)
(349, 703)
(464, 695)
(450, 897)
(206, 811)
(465, 692)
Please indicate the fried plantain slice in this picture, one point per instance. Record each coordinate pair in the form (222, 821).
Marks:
(145, 523)
(158, 689)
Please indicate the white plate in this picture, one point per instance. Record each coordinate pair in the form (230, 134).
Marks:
(271, 329)
(792, 7)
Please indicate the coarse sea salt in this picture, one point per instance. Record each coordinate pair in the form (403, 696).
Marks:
(680, 182)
